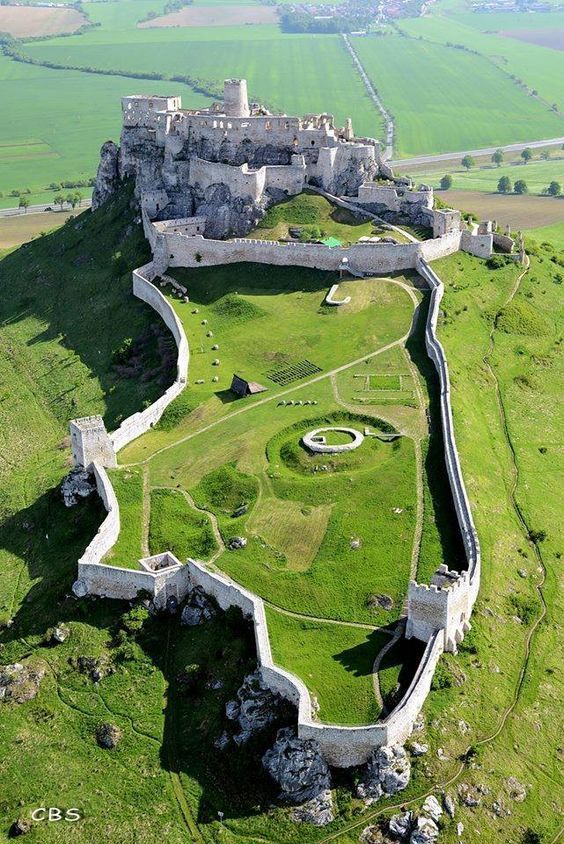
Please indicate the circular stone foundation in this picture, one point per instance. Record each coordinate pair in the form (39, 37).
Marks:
(315, 441)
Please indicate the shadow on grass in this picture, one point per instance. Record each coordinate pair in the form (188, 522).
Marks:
(76, 284)
(231, 781)
(436, 478)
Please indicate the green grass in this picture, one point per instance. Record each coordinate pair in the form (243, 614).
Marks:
(537, 67)
(128, 487)
(549, 234)
(479, 690)
(445, 99)
(334, 662)
(177, 527)
(316, 216)
(537, 174)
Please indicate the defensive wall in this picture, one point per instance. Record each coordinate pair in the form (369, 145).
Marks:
(437, 614)
(245, 181)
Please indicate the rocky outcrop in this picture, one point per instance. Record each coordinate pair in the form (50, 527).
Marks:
(319, 811)
(108, 736)
(198, 608)
(19, 683)
(77, 485)
(57, 635)
(386, 772)
(426, 831)
(226, 214)
(297, 767)
(256, 707)
(107, 177)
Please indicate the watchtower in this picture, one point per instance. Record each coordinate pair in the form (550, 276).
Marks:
(91, 443)
(235, 98)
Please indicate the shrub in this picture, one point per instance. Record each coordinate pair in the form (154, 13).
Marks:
(446, 182)
(191, 677)
(123, 353)
(525, 607)
(134, 620)
(496, 262)
(554, 189)
(520, 186)
(441, 679)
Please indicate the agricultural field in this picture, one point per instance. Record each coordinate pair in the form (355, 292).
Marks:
(73, 114)
(529, 66)
(31, 21)
(520, 212)
(214, 15)
(21, 228)
(444, 99)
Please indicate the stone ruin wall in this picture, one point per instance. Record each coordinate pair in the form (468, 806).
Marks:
(340, 746)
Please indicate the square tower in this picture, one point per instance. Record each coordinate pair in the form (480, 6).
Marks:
(90, 442)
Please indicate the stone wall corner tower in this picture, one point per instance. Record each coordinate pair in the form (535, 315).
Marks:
(235, 99)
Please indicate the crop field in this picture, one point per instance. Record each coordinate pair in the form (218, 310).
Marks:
(551, 234)
(445, 99)
(521, 212)
(75, 113)
(293, 73)
(31, 21)
(551, 38)
(215, 15)
(21, 228)
(538, 68)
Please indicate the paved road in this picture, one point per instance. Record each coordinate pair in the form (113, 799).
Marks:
(33, 209)
(449, 156)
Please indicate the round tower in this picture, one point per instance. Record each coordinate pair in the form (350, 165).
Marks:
(235, 99)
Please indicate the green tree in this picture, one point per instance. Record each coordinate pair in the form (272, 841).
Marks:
(78, 197)
(446, 182)
(497, 157)
(70, 200)
(520, 186)
(468, 162)
(526, 155)
(59, 199)
(24, 203)
(504, 185)
(554, 189)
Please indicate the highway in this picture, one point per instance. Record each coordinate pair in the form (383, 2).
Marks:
(451, 156)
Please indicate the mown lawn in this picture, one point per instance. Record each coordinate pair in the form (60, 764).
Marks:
(334, 662)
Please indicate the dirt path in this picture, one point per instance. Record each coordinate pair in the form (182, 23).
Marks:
(373, 94)
(146, 513)
(360, 624)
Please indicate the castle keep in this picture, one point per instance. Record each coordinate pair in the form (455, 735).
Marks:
(230, 161)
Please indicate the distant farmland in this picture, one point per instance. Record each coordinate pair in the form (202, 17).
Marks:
(445, 99)
(214, 16)
(32, 21)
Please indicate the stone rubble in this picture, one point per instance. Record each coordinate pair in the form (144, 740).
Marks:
(319, 811)
(19, 683)
(256, 707)
(297, 767)
(108, 736)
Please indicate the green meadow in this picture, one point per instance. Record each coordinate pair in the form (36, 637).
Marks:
(538, 68)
